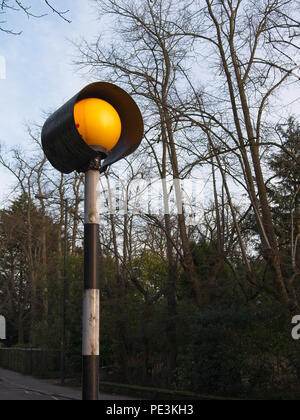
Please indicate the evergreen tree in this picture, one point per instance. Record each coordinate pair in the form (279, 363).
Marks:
(285, 192)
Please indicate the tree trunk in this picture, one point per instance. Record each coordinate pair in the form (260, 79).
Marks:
(171, 325)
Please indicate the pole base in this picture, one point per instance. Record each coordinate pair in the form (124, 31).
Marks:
(90, 378)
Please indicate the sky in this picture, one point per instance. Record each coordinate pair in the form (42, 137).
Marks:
(39, 75)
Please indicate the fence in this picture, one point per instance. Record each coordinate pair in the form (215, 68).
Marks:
(35, 362)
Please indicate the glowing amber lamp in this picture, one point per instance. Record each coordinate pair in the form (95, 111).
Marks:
(98, 123)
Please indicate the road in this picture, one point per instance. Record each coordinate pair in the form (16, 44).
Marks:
(9, 392)
(17, 387)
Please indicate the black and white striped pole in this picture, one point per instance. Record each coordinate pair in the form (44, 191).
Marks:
(91, 297)
(96, 128)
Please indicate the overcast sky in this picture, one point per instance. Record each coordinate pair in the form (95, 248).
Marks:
(40, 75)
(39, 71)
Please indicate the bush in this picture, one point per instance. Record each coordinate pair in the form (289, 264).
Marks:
(234, 353)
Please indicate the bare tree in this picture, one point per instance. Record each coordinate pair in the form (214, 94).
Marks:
(9, 6)
(44, 192)
(148, 65)
(253, 50)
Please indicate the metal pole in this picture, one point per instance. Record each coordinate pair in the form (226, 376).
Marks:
(64, 294)
(91, 298)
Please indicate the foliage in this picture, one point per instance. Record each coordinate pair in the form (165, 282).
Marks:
(241, 353)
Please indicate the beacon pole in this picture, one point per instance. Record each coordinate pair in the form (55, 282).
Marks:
(91, 297)
(100, 122)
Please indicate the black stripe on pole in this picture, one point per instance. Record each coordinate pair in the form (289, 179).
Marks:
(91, 256)
(90, 379)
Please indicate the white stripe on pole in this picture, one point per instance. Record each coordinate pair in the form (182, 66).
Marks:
(91, 323)
(92, 197)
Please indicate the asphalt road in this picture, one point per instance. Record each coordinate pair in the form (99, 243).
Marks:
(17, 387)
(9, 392)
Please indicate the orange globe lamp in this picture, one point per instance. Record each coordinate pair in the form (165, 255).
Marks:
(98, 123)
(101, 121)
